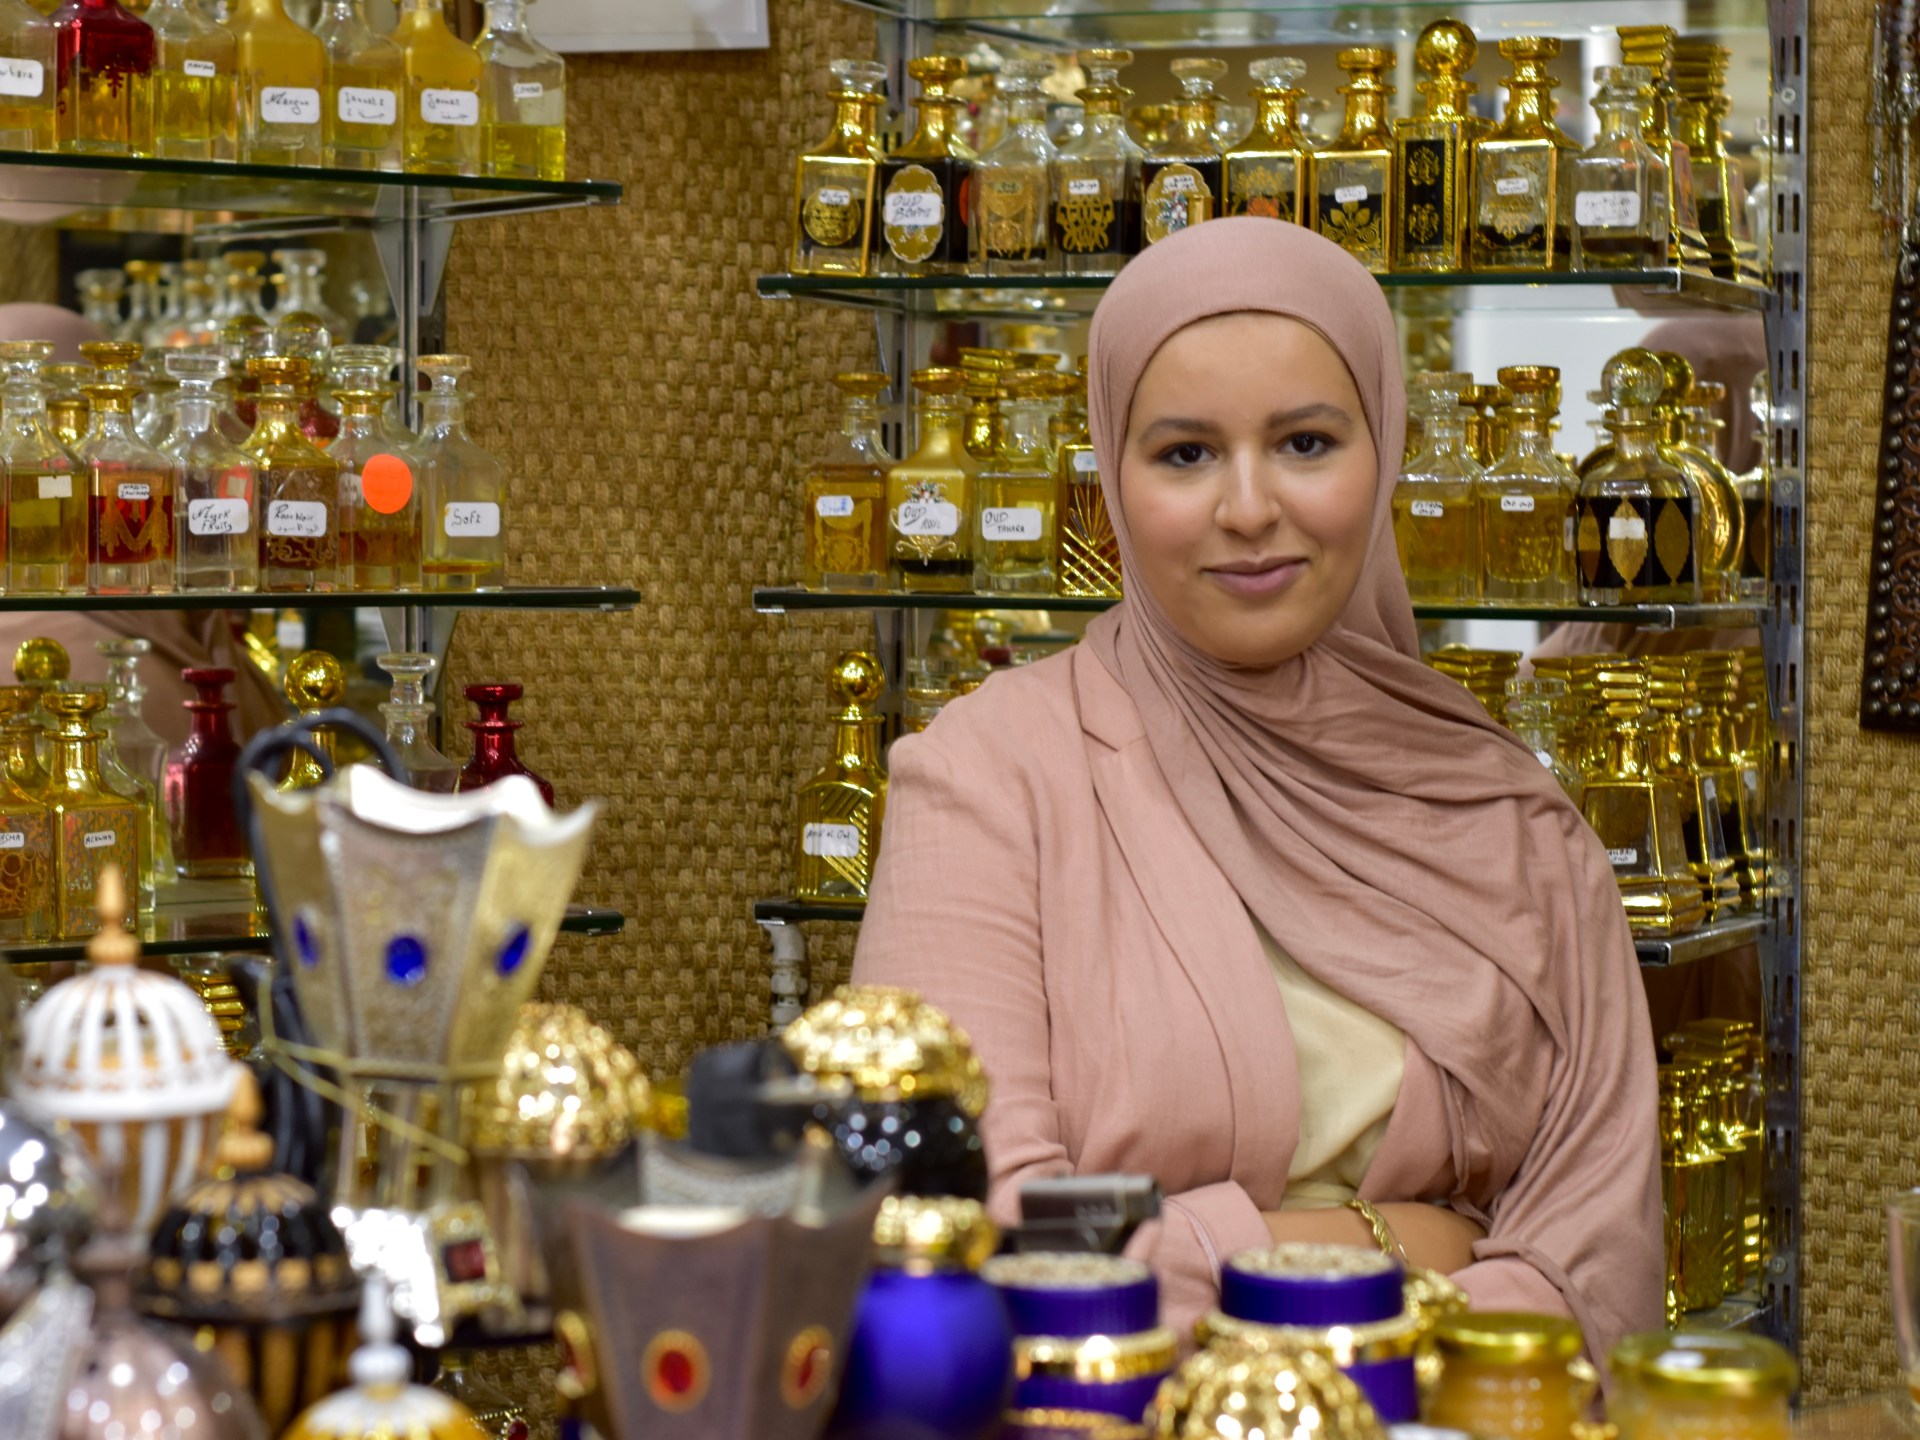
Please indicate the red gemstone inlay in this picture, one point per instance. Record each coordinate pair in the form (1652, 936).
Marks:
(518, 1431)
(674, 1373)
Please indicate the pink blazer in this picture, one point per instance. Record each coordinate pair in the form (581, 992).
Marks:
(1038, 881)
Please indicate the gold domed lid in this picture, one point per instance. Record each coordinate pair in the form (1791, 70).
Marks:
(40, 660)
(566, 1088)
(889, 1044)
(857, 679)
(315, 680)
(1446, 47)
(278, 370)
(1705, 1366)
(1678, 372)
(939, 1231)
(1493, 1337)
(111, 354)
(1298, 1395)
(935, 73)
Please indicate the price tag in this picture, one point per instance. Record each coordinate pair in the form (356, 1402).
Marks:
(528, 89)
(472, 520)
(386, 484)
(927, 517)
(1084, 187)
(22, 79)
(1350, 194)
(56, 487)
(135, 492)
(1428, 509)
(914, 209)
(833, 507)
(1627, 856)
(450, 107)
(833, 195)
(297, 519)
(220, 517)
(1179, 183)
(1607, 209)
(358, 105)
(1517, 504)
(1086, 462)
(1512, 185)
(1626, 527)
(831, 842)
(200, 69)
(290, 105)
(99, 839)
(12, 840)
(1020, 522)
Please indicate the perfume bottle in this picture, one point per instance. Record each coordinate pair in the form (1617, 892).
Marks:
(299, 485)
(1526, 499)
(46, 493)
(1268, 172)
(924, 183)
(282, 67)
(1088, 562)
(1532, 714)
(1699, 72)
(379, 505)
(1713, 689)
(1015, 499)
(1435, 527)
(833, 187)
(193, 85)
(94, 826)
(1756, 556)
(363, 82)
(314, 682)
(837, 821)
(1181, 175)
(207, 839)
(1433, 154)
(102, 293)
(845, 495)
(27, 71)
(1096, 178)
(130, 490)
(1670, 754)
(523, 98)
(1633, 522)
(1652, 46)
(1353, 177)
(464, 488)
(1718, 517)
(1523, 171)
(1620, 219)
(129, 743)
(214, 512)
(983, 370)
(494, 753)
(68, 408)
(441, 114)
(930, 492)
(1012, 180)
(26, 840)
(103, 58)
(409, 717)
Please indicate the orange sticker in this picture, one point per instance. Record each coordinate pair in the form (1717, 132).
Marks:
(386, 483)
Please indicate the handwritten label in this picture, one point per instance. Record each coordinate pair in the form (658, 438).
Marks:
(1086, 462)
(56, 487)
(290, 105)
(1626, 527)
(1428, 509)
(450, 107)
(199, 69)
(1019, 522)
(831, 842)
(23, 79)
(99, 839)
(135, 492)
(833, 507)
(1607, 209)
(357, 105)
(297, 519)
(1179, 183)
(219, 517)
(1084, 187)
(1350, 194)
(927, 517)
(528, 89)
(1512, 185)
(1517, 504)
(914, 209)
(12, 840)
(1627, 856)
(472, 520)
(833, 195)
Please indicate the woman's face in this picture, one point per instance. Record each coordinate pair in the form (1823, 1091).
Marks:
(1248, 480)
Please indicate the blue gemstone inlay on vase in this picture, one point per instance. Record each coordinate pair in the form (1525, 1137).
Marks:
(305, 943)
(515, 950)
(406, 960)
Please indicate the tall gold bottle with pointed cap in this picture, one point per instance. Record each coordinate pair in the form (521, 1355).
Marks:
(1703, 788)
(923, 184)
(1353, 177)
(94, 827)
(1720, 201)
(1652, 46)
(1433, 154)
(1089, 559)
(1719, 521)
(1097, 176)
(26, 838)
(930, 499)
(837, 821)
(1634, 529)
(1523, 171)
(315, 682)
(845, 494)
(1268, 173)
(835, 181)
(1180, 176)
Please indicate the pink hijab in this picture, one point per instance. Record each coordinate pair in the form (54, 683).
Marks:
(1402, 847)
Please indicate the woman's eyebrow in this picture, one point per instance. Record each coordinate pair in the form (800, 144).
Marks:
(1278, 420)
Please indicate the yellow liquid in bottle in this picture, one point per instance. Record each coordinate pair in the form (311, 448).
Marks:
(184, 111)
(26, 112)
(1526, 549)
(374, 92)
(1439, 552)
(110, 112)
(530, 152)
(441, 109)
(846, 531)
(281, 66)
(46, 532)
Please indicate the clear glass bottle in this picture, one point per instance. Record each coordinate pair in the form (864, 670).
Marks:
(1096, 177)
(299, 485)
(130, 744)
(194, 84)
(1523, 171)
(94, 826)
(1012, 180)
(1718, 519)
(845, 494)
(1269, 172)
(1756, 556)
(1181, 175)
(1633, 523)
(523, 98)
(1433, 154)
(103, 58)
(463, 504)
(101, 293)
(1652, 46)
(360, 100)
(834, 181)
(46, 492)
(441, 114)
(1015, 496)
(379, 508)
(409, 717)
(924, 183)
(282, 68)
(303, 302)
(1435, 527)
(130, 487)
(27, 79)
(930, 492)
(215, 513)
(1526, 499)
(26, 837)
(1089, 558)
(1353, 176)
(1620, 219)
(838, 817)
(1533, 715)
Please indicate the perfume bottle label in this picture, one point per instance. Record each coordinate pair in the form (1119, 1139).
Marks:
(927, 517)
(13, 840)
(1010, 523)
(528, 89)
(1517, 504)
(1177, 197)
(1427, 509)
(359, 105)
(56, 487)
(1623, 856)
(450, 107)
(1512, 185)
(914, 214)
(22, 79)
(830, 842)
(1350, 205)
(472, 519)
(219, 517)
(199, 69)
(833, 507)
(1261, 185)
(134, 492)
(1086, 462)
(1013, 212)
(98, 839)
(831, 214)
(1607, 209)
(1427, 200)
(1083, 216)
(1349, 194)
(289, 105)
(297, 519)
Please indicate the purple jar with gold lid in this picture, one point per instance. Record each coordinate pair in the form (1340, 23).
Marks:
(1087, 1328)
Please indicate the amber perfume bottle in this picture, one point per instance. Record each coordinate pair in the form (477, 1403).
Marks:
(1526, 499)
(837, 821)
(27, 77)
(1017, 496)
(845, 495)
(193, 84)
(94, 827)
(1433, 154)
(409, 717)
(1634, 522)
(1268, 173)
(930, 493)
(1181, 175)
(464, 488)
(1353, 177)
(1523, 171)
(1620, 218)
(282, 69)
(1436, 527)
(299, 484)
(130, 489)
(923, 184)
(1719, 520)
(207, 842)
(523, 98)
(104, 59)
(46, 493)
(1652, 46)
(494, 754)
(26, 843)
(379, 508)
(1012, 181)
(214, 515)
(1089, 556)
(834, 181)
(365, 82)
(1096, 177)
(441, 113)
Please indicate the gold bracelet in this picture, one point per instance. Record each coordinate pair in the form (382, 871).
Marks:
(1383, 1235)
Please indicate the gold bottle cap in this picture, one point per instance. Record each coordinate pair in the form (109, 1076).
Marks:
(73, 707)
(1364, 60)
(865, 384)
(360, 402)
(1446, 48)
(110, 397)
(566, 1088)
(1277, 74)
(142, 269)
(1508, 1338)
(16, 700)
(1677, 371)
(1029, 384)
(933, 1230)
(1105, 57)
(1707, 393)
(889, 1044)
(244, 262)
(40, 660)
(979, 357)
(857, 679)
(1689, 1366)
(939, 380)
(315, 680)
(285, 371)
(111, 354)
(1296, 1394)
(1532, 51)
(1530, 379)
(935, 73)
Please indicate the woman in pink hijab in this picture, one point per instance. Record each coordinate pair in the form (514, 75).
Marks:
(1241, 894)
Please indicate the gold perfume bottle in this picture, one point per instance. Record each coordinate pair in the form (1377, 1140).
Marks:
(1652, 46)
(1012, 181)
(282, 67)
(1089, 558)
(833, 186)
(1526, 500)
(1353, 177)
(441, 116)
(1523, 171)
(1718, 519)
(923, 184)
(1620, 218)
(1180, 176)
(1699, 75)
(1706, 790)
(1016, 501)
(1435, 525)
(1096, 177)
(930, 493)
(845, 495)
(984, 369)
(1433, 154)
(837, 822)
(1634, 521)
(94, 827)
(1693, 1185)
(130, 489)
(299, 484)
(26, 835)
(1267, 173)
(1726, 1048)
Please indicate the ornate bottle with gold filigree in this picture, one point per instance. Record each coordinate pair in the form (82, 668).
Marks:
(1012, 181)
(1267, 173)
(923, 184)
(1096, 179)
(845, 495)
(1433, 154)
(94, 827)
(1014, 549)
(104, 61)
(930, 500)
(1181, 175)
(1653, 46)
(1353, 177)
(837, 822)
(26, 842)
(1718, 519)
(834, 181)
(1634, 522)
(1523, 171)
(299, 485)
(130, 484)
(1089, 560)
(1620, 219)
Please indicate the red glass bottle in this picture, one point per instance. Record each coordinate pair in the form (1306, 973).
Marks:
(493, 752)
(206, 833)
(103, 54)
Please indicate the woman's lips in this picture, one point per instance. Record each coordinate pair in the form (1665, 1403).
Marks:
(1265, 577)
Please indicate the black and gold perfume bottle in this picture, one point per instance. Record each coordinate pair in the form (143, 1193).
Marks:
(923, 184)
(833, 192)
(1268, 172)
(1523, 171)
(1634, 522)
(1096, 177)
(1353, 177)
(1181, 174)
(1433, 154)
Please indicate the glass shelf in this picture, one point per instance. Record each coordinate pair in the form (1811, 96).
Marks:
(787, 911)
(513, 597)
(110, 192)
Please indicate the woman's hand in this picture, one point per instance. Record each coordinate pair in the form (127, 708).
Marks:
(1434, 1237)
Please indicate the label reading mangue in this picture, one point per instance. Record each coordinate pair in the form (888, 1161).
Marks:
(289, 105)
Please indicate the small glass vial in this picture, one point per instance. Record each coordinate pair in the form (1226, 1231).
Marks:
(837, 820)
(523, 98)
(1620, 219)
(834, 181)
(441, 114)
(366, 79)
(930, 492)
(1526, 500)
(1433, 154)
(1014, 547)
(299, 485)
(27, 77)
(1533, 714)
(379, 506)
(464, 488)
(1181, 175)
(194, 84)
(1096, 178)
(1634, 523)
(1701, 1386)
(1012, 180)
(104, 58)
(1435, 525)
(845, 495)
(130, 488)
(1523, 171)
(282, 67)
(215, 515)
(1353, 176)
(46, 493)
(409, 717)
(1268, 173)
(923, 184)
(1504, 1373)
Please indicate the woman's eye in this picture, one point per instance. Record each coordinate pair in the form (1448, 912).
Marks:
(1181, 456)
(1307, 444)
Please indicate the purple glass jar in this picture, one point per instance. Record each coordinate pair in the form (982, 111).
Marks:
(1088, 1329)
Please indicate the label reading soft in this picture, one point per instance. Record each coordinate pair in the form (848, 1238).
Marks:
(1512, 185)
(135, 492)
(528, 89)
(1517, 504)
(1607, 209)
(297, 519)
(1086, 462)
(219, 517)
(1428, 509)
(359, 105)
(914, 209)
(1626, 527)
(1084, 187)
(200, 69)
(99, 839)
(1017, 522)
(290, 105)
(831, 842)
(1179, 183)
(12, 840)
(833, 507)
(1626, 856)
(1350, 194)
(56, 487)
(450, 107)
(833, 195)
(472, 520)
(22, 79)
(927, 517)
